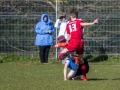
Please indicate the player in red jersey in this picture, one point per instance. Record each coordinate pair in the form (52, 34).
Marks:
(75, 39)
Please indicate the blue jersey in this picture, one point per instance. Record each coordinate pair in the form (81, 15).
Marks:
(72, 64)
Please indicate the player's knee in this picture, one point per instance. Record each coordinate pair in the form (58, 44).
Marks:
(69, 77)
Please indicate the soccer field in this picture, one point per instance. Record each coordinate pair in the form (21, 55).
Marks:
(35, 76)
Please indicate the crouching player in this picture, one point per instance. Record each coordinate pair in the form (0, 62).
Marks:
(72, 62)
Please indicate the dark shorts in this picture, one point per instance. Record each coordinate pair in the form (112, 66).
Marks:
(79, 72)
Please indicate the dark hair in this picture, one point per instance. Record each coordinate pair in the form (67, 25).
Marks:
(74, 13)
(62, 15)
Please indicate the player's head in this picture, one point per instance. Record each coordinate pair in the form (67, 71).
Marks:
(74, 13)
(62, 16)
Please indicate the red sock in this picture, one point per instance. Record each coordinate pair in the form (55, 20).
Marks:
(60, 55)
(77, 60)
(83, 67)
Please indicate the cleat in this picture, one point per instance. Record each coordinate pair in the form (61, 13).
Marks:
(84, 78)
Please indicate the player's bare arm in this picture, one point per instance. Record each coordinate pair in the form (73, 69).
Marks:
(91, 23)
(68, 37)
(65, 71)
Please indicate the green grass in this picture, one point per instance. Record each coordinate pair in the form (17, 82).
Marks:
(36, 76)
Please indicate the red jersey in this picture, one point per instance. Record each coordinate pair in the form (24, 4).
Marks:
(75, 29)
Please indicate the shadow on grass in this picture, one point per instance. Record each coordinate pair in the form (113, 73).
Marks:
(116, 79)
(96, 79)
(100, 79)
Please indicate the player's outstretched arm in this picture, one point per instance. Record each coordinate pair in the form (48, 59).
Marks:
(91, 23)
(60, 45)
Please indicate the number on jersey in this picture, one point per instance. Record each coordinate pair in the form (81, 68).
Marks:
(72, 27)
